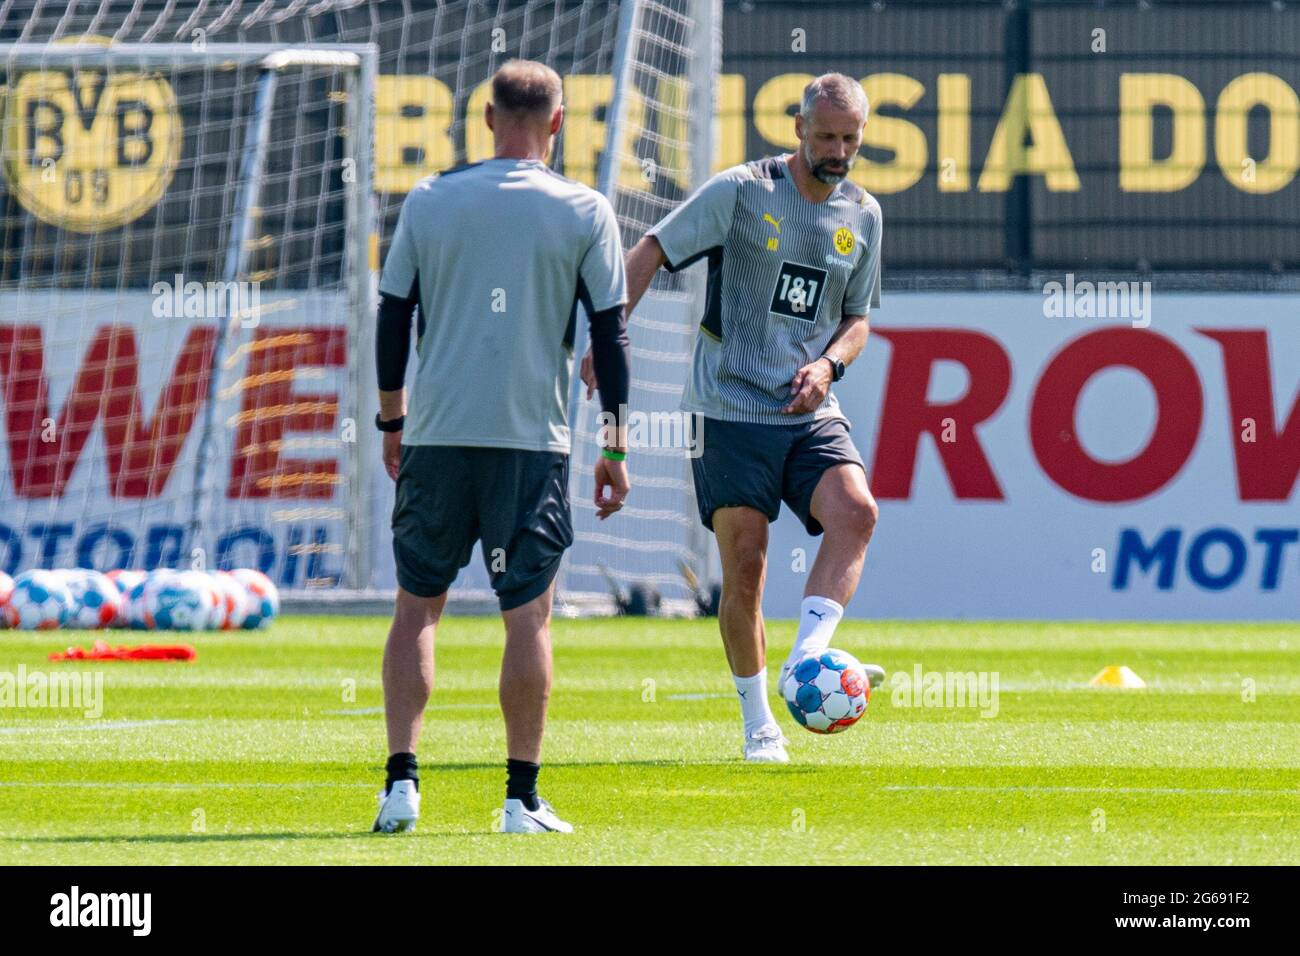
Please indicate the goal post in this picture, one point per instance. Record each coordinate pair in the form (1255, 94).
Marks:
(187, 386)
(660, 145)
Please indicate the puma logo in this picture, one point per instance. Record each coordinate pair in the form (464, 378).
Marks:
(816, 614)
(773, 242)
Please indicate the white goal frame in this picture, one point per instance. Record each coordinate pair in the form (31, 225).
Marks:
(359, 63)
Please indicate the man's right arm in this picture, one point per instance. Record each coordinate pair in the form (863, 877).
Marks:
(393, 349)
(643, 261)
(399, 296)
(603, 289)
(679, 239)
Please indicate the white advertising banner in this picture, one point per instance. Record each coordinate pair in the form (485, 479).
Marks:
(1030, 460)
(102, 402)
(1033, 461)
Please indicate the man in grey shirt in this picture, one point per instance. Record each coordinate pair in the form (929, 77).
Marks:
(497, 256)
(793, 252)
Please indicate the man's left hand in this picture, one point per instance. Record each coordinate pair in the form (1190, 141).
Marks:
(392, 453)
(809, 387)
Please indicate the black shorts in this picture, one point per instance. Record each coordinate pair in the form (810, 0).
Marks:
(449, 497)
(759, 466)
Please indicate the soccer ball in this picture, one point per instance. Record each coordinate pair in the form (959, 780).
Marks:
(40, 601)
(139, 595)
(828, 693)
(264, 599)
(234, 601)
(180, 602)
(126, 582)
(6, 589)
(133, 605)
(96, 601)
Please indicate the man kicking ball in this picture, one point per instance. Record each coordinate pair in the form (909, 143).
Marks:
(793, 250)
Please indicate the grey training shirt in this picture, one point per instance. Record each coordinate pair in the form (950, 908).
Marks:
(505, 250)
(783, 272)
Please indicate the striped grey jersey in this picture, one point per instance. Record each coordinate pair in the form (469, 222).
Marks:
(783, 272)
(504, 251)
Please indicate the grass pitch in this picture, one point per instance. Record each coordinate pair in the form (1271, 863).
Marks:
(270, 749)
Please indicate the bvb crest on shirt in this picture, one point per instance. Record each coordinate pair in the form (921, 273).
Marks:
(89, 149)
(844, 240)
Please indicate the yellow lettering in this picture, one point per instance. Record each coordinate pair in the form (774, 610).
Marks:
(478, 138)
(1139, 170)
(584, 135)
(903, 138)
(1028, 110)
(412, 121)
(731, 126)
(954, 132)
(775, 104)
(1235, 103)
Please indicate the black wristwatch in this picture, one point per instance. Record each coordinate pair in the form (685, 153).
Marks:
(392, 425)
(837, 368)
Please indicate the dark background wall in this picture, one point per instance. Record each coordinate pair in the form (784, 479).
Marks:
(1083, 217)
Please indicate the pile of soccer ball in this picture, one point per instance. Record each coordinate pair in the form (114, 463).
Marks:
(162, 600)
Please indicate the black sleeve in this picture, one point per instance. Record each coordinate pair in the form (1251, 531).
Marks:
(611, 359)
(393, 337)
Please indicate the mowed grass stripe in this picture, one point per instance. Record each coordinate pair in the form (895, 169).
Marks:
(274, 741)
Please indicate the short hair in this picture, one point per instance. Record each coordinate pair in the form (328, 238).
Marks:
(526, 87)
(837, 89)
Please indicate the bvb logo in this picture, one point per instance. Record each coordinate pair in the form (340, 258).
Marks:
(90, 150)
(844, 240)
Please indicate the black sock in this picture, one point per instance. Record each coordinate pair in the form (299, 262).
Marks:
(521, 782)
(402, 767)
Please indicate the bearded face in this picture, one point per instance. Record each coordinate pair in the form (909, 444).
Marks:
(829, 140)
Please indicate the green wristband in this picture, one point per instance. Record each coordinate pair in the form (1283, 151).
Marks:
(613, 455)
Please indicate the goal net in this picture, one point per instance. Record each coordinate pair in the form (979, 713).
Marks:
(660, 148)
(184, 277)
(190, 238)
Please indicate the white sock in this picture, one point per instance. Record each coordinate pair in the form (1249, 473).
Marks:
(754, 709)
(817, 619)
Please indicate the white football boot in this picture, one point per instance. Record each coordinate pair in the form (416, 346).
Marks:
(399, 808)
(786, 668)
(874, 672)
(766, 745)
(517, 818)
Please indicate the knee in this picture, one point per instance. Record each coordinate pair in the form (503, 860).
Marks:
(529, 626)
(859, 520)
(871, 514)
(528, 643)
